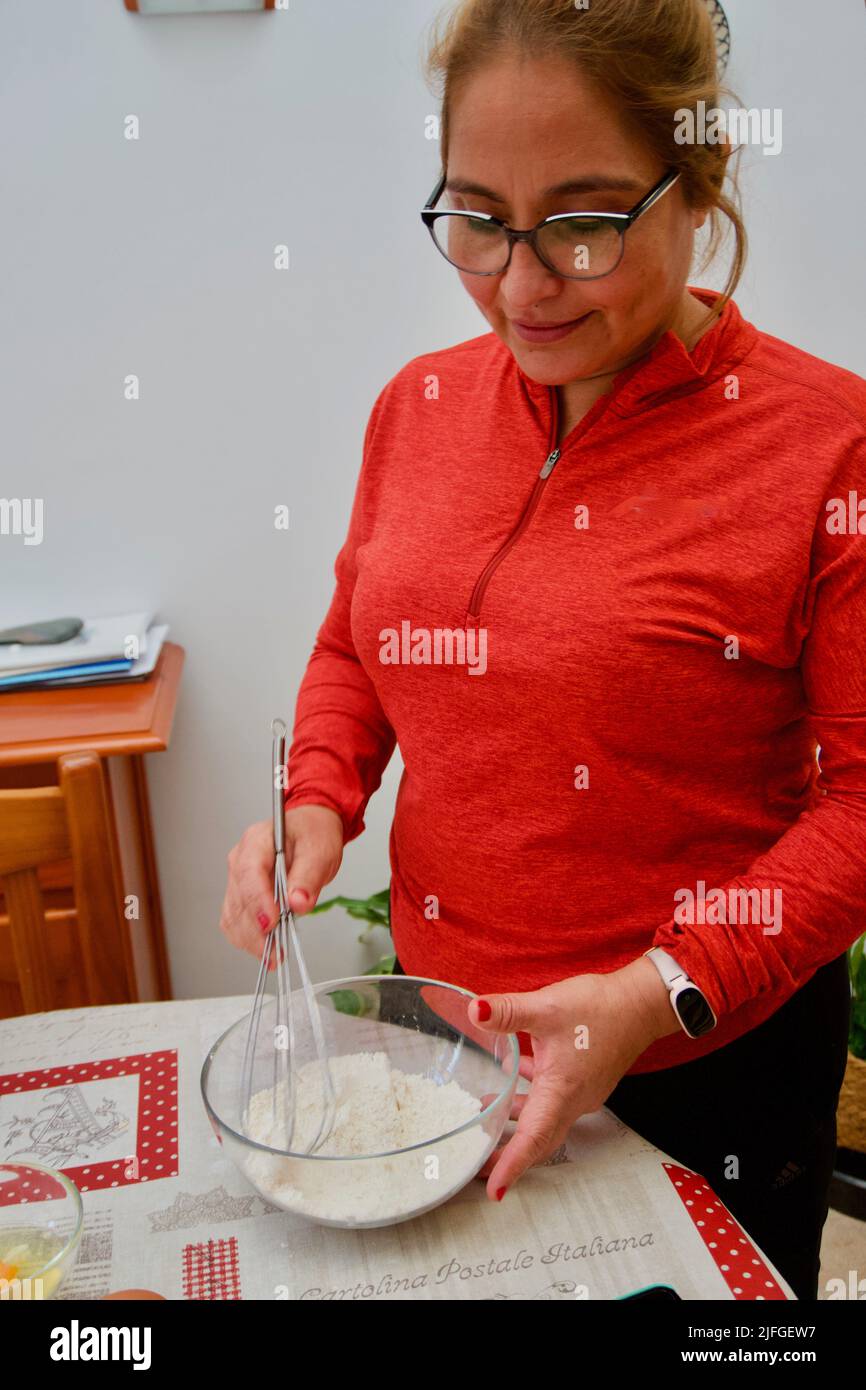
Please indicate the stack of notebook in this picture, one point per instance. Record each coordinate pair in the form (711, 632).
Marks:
(120, 648)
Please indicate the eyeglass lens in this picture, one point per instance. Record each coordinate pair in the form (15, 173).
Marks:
(573, 246)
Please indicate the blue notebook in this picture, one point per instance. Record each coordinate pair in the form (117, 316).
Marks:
(93, 668)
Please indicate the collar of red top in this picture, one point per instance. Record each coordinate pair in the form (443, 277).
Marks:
(668, 370)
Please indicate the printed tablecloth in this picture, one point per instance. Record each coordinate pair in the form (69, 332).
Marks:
(112, 1097)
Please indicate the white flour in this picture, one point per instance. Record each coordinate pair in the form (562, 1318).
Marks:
(378, 1109)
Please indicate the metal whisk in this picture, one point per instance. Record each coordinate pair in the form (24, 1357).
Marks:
(279, 942)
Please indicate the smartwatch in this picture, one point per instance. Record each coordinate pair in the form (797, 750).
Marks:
(688, 1002)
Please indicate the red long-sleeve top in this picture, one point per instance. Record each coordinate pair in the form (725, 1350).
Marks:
(671, 621)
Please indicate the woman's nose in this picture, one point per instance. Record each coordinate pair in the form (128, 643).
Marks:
(527, 278)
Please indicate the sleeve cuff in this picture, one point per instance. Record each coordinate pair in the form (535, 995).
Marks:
(691, 955)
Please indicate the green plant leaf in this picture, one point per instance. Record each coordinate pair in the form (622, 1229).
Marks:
(382, 901)
(859, 979)
(349, 1001)
(385, 966)
(334, 902)
(368, 914)
(858, 1013)
(375, 909)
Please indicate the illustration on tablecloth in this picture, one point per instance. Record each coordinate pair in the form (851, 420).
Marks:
(63, 1127)
(105, 1124)
(743, 1268)
(91, 1274)
(210, 1270)
(207, 1208)
(549, 1293)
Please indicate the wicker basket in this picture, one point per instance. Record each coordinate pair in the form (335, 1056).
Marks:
(851, 1115)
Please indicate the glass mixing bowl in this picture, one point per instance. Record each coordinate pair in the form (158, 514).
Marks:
(423, 1027)
(41, 1219)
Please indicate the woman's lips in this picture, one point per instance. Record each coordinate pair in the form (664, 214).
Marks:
(548, 335)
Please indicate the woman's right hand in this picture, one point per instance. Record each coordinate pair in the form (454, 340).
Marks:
(314, 851)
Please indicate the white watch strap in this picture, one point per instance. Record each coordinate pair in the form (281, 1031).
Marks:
(667, 967)
(677, 981)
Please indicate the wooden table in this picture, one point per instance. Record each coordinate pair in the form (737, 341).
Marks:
(121, 722)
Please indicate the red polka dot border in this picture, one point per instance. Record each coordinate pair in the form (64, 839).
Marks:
(156, 1141)
(739, 1262)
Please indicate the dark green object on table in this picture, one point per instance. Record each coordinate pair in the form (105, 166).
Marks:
(857, 971)
(42, 634)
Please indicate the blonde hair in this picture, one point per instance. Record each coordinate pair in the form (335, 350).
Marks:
(652, 58)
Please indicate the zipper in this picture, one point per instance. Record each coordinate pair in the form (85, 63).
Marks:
(523, 520)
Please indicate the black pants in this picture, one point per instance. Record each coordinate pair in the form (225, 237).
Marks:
(767, 1100)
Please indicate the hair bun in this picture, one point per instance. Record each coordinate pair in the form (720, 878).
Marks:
(723, 32)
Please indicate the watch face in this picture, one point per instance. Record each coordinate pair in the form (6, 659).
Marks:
(694, 1011)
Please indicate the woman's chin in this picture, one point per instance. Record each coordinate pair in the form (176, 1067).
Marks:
(551, 368)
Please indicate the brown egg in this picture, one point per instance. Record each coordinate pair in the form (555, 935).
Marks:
(135, 1294)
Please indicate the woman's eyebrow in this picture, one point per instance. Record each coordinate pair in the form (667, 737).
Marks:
(590, 183)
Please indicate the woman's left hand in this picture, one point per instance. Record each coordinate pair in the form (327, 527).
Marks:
(586, 1032)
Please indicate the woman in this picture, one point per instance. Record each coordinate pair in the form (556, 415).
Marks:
(591, 588)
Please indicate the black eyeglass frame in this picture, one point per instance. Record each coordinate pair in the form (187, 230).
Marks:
(620, 221)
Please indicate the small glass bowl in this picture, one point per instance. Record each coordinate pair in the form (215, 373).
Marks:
(423, 1026)
(41, 1220)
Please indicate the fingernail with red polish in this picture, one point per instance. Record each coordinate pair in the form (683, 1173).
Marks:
(500, 1193)
(484, 1010)
(262, 920)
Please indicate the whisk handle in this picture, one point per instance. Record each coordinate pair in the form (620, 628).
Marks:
(278, 729)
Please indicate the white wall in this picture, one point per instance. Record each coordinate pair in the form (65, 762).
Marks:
(156, 257)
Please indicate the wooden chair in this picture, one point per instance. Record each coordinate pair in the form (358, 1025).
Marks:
(39, 826)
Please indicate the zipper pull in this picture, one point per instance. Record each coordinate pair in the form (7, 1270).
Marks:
(549, 464)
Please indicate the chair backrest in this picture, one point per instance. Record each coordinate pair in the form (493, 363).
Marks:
(39, 826)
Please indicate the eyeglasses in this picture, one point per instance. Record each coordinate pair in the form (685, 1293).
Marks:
(575, 245)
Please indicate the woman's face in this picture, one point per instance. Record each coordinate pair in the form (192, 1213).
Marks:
(520, 127)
